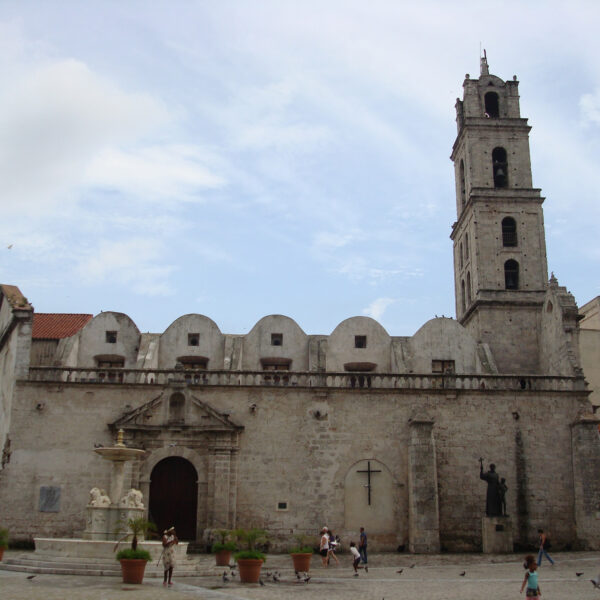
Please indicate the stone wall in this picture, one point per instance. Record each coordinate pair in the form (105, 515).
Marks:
(304, 446)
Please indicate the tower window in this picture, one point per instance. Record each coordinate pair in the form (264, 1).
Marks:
(509, 232)
(463, 187)
(460, 246)
(276, 339)
(511, 275)
(193, 339)
(111, 337)
(467, 246)
(462, 287)
(500, 166)
(468, 288)
(492, 108)
(360, 341)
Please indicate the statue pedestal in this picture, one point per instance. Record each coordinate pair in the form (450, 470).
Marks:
(497, 534)
(109, 522)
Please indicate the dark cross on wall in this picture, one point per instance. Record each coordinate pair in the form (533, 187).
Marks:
(369, 472)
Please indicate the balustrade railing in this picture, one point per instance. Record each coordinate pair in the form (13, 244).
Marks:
(304, 379)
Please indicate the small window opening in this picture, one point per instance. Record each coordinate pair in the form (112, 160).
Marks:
(282, 506)
(461, 255)
(111, 337)
(492, 108)
(463, 186)
(277, 339)
(509, 232)
(500, 166)
(360, 341)
(466, 246)
(442, 366)
(511, 275)
(464, 301)
(468, 288)
(549, 307)
(193, 339)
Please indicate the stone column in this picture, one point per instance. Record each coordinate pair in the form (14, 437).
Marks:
(423, 506)
(585, 448)
(219, 487)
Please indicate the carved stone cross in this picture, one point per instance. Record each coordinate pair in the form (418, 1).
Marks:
(369, 472)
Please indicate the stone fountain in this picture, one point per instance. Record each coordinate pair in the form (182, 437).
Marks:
(107, 514)
(106, 518)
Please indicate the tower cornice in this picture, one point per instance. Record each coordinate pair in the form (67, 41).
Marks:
(506, 195)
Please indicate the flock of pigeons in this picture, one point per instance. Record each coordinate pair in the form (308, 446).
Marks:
(275, 576)
(304, 577)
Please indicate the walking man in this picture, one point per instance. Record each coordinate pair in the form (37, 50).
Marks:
(544, 545)
(362, 545)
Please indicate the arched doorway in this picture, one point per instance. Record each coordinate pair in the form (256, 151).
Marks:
(174, 496)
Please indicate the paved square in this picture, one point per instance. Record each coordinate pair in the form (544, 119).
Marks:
(435, 577)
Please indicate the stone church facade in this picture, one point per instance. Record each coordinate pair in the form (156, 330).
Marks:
(287, 431)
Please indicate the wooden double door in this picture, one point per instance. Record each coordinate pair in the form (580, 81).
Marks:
(174, 496)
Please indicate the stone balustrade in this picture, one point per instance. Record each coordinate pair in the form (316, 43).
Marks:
(351, 380)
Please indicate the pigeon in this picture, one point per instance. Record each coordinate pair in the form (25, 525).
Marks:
(297, 575)
(412, 566)
(596, 582)
(307, 578)
(232, 573)
(261, 582)
(269, 573)
(30, 576)
(400, 571)
(463, 573)
(579, 574)
(225, 578)
(276, 577)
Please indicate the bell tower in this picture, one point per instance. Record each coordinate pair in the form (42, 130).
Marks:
(500, 267)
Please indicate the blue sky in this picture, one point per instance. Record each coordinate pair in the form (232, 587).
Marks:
(239, 159)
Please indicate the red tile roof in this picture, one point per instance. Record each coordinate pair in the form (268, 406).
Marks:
(55, 326)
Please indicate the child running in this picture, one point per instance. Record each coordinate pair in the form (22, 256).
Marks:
(531, 578)
(356, 559)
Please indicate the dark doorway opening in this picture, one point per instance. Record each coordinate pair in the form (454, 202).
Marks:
(174, 496)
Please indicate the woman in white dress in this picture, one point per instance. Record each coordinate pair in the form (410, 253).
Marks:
(169, 540)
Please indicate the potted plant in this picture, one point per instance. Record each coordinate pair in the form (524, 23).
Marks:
(133, 560)
(302, 554)
(3, 541)
(250, 560)
(223, 549)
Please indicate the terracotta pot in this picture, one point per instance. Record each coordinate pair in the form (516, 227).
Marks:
(133, 569)
(249, 569)
(222, 558)
(301, 561)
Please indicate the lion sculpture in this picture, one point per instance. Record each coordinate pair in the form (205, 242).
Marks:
(133, 499)
(98, 497)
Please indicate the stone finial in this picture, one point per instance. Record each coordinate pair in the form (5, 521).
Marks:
(120, 443)
(553, 279)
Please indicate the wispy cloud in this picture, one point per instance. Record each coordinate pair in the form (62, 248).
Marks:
(133, 262)
(378, 307)
(170, 172)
